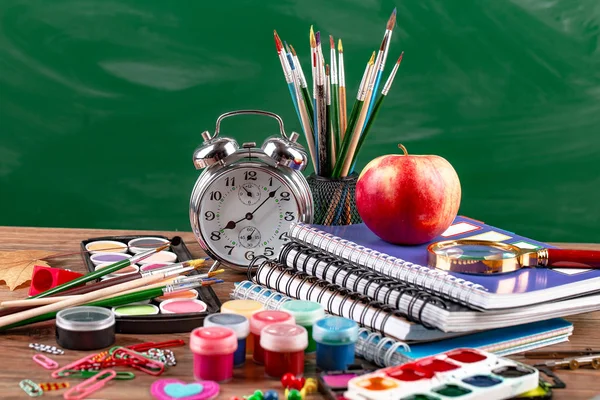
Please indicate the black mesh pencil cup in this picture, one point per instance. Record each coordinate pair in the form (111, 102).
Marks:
(334, 200)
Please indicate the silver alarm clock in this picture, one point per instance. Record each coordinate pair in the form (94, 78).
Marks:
(246, 198)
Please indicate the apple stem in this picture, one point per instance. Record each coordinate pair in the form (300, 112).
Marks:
(401, 146)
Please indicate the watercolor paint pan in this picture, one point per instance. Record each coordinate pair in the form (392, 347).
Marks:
(462, 374)
(333, 384)
(160, 323)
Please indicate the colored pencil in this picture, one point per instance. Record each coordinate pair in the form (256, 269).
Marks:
(384, 92)
(387, 37)
(287, 71)
(356, 109)
(320, 112)
(335, 120)
(342, 112)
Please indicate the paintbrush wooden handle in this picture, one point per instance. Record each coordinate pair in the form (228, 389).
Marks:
(34, 302)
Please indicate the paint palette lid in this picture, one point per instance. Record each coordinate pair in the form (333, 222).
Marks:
(242, 307)
(283, 338)
(238, 323)
(213, 340)
(264, 318)
(142, 244)
(182, 306)
(305, 312)
(85, 318)
(335, 331)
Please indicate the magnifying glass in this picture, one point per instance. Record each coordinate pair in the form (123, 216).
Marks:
(486, 257)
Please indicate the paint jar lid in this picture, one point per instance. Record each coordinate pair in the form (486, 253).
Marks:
(85, 318)
(306, 313)
(335, 331)
(237, 323)
(263, 318)
(284, 338)
(242, 307)
(213, 340)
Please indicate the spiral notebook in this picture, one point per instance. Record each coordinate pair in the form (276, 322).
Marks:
(417, 304)
(356, 244)
(387, 352)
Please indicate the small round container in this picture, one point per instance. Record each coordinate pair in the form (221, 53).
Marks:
(261, 319)
(108, 258)
(240, 325)
(160, 257)
(245, 308)
(134, 310)
(336, 338)
(85, 328)
(130, 269)
(188, 294)
(150, 267)
(182, 306)
(306, 313)
(142, 244)
(284, 346)
(104, 246)
(213, 349)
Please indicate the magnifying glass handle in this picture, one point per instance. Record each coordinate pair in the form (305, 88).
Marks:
(564, 258)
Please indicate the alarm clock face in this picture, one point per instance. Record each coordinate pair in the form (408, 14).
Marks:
(246, 212)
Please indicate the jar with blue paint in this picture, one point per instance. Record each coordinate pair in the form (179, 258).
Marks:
(237, 323)
(305, 313)
(336, 339)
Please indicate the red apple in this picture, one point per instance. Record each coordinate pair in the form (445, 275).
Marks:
(408, 199)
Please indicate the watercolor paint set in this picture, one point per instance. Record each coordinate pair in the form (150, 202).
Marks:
(173, 313)
(462, 374)
(333, 384)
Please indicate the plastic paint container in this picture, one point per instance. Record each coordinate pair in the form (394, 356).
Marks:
(336, 338)
(284, 346)
(213, 349)
(240, 325)
(182, 306)
(103, 246)
(129, 310)
(106, 257)
(142, 244)
(306, 313)
(85, 328)
(188, 294)
(160, 257)
(262, 319)
(246, 308)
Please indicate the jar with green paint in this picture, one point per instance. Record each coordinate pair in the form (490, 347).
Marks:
(306, 313)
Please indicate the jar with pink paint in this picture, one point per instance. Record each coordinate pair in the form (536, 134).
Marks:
(213, 349)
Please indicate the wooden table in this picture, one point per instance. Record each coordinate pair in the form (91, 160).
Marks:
(16, 356)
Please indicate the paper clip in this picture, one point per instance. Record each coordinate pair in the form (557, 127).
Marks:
(48, 386)
(78, 374)
(138, 361)
(44, 361)
(61, 372)
(90, 385)
(158, 345)
(31, 388)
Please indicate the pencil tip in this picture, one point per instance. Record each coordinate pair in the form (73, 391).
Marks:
(340, 47)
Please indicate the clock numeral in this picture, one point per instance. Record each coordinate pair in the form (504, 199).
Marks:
(230, 181)
(289, 216)
(269, 251)
(215, 235)
(285, 237)
(285, 196)
(250, 175)
(230, 249)
(249, 255)
(271, 181)
(216, 195)
(209, 215)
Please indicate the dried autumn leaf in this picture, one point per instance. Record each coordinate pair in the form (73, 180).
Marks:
(16, 266)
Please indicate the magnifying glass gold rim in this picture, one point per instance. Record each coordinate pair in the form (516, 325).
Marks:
(474, 266)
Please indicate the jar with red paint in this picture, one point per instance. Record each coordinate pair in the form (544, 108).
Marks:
(213, 349)
(259, 321)
(284, 345)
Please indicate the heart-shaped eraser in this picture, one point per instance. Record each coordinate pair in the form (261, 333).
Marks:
(179, 390)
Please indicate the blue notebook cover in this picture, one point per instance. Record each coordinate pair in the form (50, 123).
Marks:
(522, 281)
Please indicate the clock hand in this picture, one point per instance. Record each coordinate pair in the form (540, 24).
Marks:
(271, 195)
(249, 193)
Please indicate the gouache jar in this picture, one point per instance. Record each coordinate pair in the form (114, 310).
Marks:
(246, 308)
(85, 328)
(213, 349)
(261, 319)
(306, 313)
(336, 338)
(237, 323)
(284, 346)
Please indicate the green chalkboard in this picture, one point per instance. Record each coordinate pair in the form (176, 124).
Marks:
(102, 102)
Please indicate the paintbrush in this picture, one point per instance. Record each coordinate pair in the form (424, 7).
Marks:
(287, 71)
(320, 112)
(343, 116)
(335, 120)
(313, 62)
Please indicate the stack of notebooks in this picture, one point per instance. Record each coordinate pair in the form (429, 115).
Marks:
(389, 289)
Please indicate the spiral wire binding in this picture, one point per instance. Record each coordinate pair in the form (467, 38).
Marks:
(364, 276)
(370, 345)
(437, 282)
